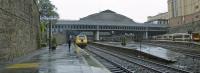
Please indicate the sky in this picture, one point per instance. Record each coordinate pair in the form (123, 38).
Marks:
(138, 10)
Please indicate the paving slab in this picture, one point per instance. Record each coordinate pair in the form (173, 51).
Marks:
(57, 61)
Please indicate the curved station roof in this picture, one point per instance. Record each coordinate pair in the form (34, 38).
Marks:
(108, 17)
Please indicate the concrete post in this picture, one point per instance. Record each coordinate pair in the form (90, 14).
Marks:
(96, 33)
(146, 35)
(50, 34)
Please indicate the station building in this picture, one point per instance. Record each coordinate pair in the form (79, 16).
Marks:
(183, 12)
(107, 23)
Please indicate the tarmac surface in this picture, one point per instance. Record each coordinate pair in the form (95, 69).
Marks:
(57, 61)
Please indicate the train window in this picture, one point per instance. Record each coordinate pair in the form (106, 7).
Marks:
(81, 36)
(187, 36)
(178, 36)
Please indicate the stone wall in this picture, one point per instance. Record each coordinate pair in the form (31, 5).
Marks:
(195, 27)
(60, 37)
(19, 22)
(182, 20)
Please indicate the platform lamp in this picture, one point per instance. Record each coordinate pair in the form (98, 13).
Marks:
(190, 31)
(190, 40)
(139, 39)
(50, 19)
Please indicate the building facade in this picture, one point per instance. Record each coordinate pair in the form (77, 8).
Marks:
(164, 16)
(161, 18)
(183, 12)
(111, 22)
(158, 21)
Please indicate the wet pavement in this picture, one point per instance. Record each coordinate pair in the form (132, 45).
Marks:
(58, 61)
(152, 50)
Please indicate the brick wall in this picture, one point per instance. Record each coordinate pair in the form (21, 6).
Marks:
(19, 22)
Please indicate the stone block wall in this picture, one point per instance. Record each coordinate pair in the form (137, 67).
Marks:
(195, 27)
(176, 21)
(19, 23)
(60, 38)
(182, 20)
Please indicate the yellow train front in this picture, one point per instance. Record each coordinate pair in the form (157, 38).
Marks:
(81, 41)
(196, 37)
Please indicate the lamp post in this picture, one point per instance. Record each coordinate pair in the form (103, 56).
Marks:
(190, 40)
(139, 40)
(50, 34)
(50, 19)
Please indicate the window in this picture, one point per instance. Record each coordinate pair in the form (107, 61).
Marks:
(196, 7)
(197, 16)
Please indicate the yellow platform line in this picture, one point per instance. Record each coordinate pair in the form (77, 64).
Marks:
(77, 49)
(24, 65)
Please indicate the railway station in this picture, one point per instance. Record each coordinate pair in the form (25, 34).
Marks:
(99, 36)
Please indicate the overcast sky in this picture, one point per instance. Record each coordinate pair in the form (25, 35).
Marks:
(138, 10)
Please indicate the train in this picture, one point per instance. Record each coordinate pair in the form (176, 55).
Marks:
(81, 40)
(179, 37)
(196, 37)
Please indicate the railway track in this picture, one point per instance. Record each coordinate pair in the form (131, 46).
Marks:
(111, 65)
(148, 65)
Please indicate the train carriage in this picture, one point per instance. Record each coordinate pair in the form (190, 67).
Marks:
(179, 37)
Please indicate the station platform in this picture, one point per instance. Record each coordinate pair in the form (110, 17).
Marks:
(60, 60)
(149, 50)
(186, 42)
